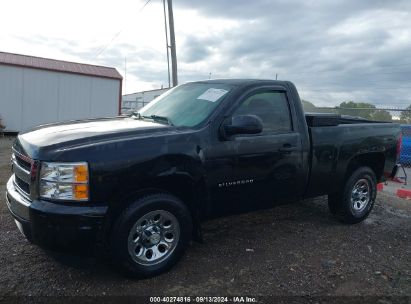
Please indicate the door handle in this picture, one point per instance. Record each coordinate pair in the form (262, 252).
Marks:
(286, 149)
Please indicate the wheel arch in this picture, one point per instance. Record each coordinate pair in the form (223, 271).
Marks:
(182, 186)
(373, 160)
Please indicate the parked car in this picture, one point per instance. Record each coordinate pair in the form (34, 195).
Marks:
(141, 185)
(2, 128)
(405, 155)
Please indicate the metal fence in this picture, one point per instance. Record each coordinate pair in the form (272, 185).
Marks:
(131, 106)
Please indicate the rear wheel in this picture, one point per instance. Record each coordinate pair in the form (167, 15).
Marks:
(151, 235)
(355, 201)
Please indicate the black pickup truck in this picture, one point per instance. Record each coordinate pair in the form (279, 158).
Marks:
(140, 185)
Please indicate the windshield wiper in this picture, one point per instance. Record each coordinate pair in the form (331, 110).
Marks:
(137, 114)
(158, 118)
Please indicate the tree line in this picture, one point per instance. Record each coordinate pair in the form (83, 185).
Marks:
(361, 109)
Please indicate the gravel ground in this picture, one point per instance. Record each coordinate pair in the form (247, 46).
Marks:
(296, 249)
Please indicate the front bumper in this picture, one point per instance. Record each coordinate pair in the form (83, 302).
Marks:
(55, 225)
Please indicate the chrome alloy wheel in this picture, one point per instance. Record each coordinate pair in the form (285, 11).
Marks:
(153, 237)
(360, 195)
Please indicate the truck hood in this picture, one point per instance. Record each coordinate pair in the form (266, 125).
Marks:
(73, 133)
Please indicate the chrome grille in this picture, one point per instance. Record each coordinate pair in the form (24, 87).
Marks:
(23, 163)
(22, 185)
(22, 168)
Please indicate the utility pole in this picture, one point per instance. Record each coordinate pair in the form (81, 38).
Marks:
(172, 43)
(125, 75)
(167, 46)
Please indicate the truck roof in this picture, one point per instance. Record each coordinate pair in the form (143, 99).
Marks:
(244, 81)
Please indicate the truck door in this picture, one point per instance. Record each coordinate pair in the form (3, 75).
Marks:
(250, 169)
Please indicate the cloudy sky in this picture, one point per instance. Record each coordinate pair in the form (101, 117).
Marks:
(332, 50)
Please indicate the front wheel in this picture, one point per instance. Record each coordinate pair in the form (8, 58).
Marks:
(355, 201)
(151, 235)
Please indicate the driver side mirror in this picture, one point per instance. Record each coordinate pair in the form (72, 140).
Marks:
(243, 124)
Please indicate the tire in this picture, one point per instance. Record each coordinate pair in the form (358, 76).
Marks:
(150, 235)
(357, 197)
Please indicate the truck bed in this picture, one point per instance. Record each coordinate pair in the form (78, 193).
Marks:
(325, 119)
(336, 140)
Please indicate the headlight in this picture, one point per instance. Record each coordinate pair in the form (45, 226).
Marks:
(64, 181)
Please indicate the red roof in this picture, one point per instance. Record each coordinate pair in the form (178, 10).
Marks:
(58, 65)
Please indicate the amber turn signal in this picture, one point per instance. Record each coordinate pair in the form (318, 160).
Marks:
(81, 173)
(80, 192)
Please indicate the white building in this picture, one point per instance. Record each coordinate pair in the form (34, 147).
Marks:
(36, 91)
(135, 101)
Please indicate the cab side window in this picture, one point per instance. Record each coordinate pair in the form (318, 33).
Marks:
(272, 108)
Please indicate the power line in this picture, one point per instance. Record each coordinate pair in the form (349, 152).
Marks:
(376, 69)
(376, 73)
(348, 86)
(145, 4)
(395, 65)
(355, 88)
(106, 46)
(117, 34)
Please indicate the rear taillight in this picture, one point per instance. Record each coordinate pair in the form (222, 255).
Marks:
(399, 145)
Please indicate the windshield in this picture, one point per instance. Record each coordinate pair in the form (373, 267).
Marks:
(187, 105)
